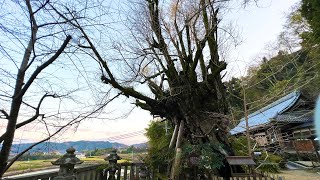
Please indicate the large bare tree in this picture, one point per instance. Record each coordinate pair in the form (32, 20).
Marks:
(174, 48)
(39, 61)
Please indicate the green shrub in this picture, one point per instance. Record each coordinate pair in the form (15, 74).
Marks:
(240, 145)
(208, 156)
(159, 154)
(270, 163)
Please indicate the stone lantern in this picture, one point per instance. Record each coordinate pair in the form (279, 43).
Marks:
(67, 163)
(112, 158)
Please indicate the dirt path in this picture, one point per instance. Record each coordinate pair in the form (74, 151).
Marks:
(300, 175)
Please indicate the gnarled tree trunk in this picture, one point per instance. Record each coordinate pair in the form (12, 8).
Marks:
(181, 43)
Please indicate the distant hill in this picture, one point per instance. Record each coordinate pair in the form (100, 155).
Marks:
(140, 145)
(61, 147)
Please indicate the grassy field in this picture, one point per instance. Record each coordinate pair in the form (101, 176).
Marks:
(26, 165)
(40, 164)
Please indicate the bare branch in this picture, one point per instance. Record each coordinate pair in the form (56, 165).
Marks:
(37, 114)
(33, 145)
(128, 91)
(33, 19)
(62, 22)
(6, 115)
(162, 46)
(43, 66)
(152, 77)
(41, 7)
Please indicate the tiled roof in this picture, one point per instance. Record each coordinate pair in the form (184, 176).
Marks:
(264, 115)
(295, 117)
(304, 125)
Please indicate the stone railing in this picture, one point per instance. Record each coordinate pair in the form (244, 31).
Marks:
(111, 171)
(84, 172)
(68, 171)
(126, 171)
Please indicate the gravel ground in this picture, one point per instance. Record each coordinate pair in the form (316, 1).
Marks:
(300, 175)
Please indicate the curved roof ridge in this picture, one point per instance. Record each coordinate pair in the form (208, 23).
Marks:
(263, 115)
(296, 93)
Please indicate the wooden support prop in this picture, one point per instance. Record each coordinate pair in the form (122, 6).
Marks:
(180, 135)
(174, 136)
(176, 164)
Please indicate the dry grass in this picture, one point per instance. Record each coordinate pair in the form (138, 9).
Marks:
(93, 159)
(44, 164)
(28, 165)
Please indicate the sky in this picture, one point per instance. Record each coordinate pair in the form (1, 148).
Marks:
(258, 26)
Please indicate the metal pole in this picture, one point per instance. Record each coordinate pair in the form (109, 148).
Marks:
(246, 119)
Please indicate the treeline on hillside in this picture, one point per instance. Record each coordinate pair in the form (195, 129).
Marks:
(105, 151)
(295, 67)
(39, 156)
(88, 153)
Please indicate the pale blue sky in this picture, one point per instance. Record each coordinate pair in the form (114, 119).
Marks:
(258, 26)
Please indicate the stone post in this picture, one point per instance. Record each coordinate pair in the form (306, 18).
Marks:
(67, 163)
(113, 166)
(143, 173)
